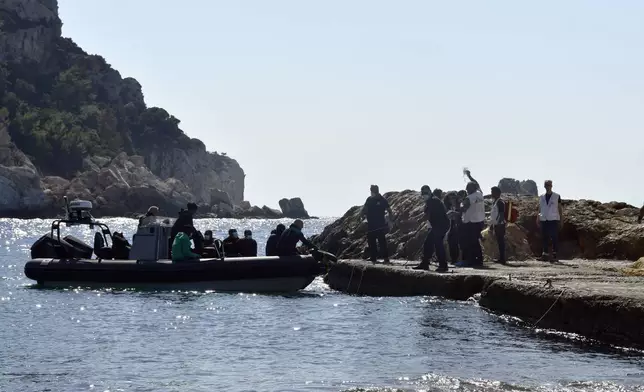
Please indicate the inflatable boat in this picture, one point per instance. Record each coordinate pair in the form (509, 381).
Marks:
(67, 262)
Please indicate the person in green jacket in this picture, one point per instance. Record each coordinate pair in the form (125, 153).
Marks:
(181, 250)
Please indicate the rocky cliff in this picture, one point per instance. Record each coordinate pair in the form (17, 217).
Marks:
(72, 125)
(590, 230)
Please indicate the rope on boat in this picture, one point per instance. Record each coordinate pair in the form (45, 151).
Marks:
(549, 309)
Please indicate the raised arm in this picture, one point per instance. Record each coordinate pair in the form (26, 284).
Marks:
(306, 242)
(469, 175)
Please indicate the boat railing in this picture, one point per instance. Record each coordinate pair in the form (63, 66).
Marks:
(105, 230)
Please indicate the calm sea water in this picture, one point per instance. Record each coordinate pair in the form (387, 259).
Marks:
(318, 340)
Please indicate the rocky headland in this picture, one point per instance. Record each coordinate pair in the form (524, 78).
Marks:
(591, 229)
(71, 125)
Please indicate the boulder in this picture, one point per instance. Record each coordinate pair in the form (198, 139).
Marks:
(271, 213)
(514, 187)
(293, 208)
(245, 205)
(217, 196)
(590, 230)
(516, 244)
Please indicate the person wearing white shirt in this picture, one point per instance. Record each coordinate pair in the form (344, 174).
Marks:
(549, 219)
(473, 223)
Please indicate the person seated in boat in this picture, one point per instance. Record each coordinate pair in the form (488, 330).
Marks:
(120, 247)
(287, 244)
(271, 243)
(181, 246)
(247, 246)
(100, 250)
(149, 216)
(230, 243)
(208, 239)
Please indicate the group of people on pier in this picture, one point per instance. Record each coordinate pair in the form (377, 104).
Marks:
(459, 218)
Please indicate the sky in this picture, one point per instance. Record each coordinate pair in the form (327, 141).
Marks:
(321, 99)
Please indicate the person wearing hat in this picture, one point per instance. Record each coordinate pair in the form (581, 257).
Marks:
(374, 210)
(271, 243)
(247, 246)
(438, 223)
(230, 243)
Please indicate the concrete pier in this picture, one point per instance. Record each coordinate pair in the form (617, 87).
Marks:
(595, 299)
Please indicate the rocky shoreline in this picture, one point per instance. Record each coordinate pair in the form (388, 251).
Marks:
(600, 300)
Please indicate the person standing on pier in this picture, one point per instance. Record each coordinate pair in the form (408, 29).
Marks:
(497, 221)
(436, 215)
(473, 223)
(549, 219)
(374, 209)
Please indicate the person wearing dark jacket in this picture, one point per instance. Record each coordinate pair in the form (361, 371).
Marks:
(374, 209)
(438, 225)
(271, 243)
(452, 204)
(230, 243)
(185, 219)
(287, 244)
(497, 221)
(247, 246)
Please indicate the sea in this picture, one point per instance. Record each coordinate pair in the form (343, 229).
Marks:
(315, 340)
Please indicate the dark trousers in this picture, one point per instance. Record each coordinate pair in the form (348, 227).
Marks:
(434, 243)
(453, 243)
(473, 250)
(376, 238)
(499, 232)
(550, 232)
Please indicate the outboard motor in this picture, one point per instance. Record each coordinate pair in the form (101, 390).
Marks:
(79, 211)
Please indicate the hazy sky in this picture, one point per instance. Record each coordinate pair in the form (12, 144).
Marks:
(320, 99)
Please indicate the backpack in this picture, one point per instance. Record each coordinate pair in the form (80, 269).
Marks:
(511, 212)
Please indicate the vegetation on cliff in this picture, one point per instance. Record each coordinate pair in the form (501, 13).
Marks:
(76, 106)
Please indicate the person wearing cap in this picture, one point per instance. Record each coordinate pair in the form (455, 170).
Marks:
(497, 221)
(287, 244)
(271, 243)
(247, 246)
(473, 222)
(438, 223)
(230, 243)
(374, 210)
(549, 219)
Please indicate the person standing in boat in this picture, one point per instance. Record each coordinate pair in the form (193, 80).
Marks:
(271, 243)
(287, 244)
(247, 246)
(374, 209)
(149, 216)
(497, 221)
(549, 218)
(230, 244)
(186, 218)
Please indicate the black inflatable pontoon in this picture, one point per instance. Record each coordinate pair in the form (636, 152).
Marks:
(68, 262)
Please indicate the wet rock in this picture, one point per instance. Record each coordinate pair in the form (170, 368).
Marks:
(609, 318)
(293, 208)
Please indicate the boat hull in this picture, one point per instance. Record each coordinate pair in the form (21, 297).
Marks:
(252, 274)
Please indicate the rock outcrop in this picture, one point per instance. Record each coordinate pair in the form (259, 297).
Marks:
(293, 208)
(515, 187)
(590, 230)
(72, 125)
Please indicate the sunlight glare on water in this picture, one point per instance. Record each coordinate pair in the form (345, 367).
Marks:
(315, 340)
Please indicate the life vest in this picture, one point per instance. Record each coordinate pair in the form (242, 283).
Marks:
(549, 211)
